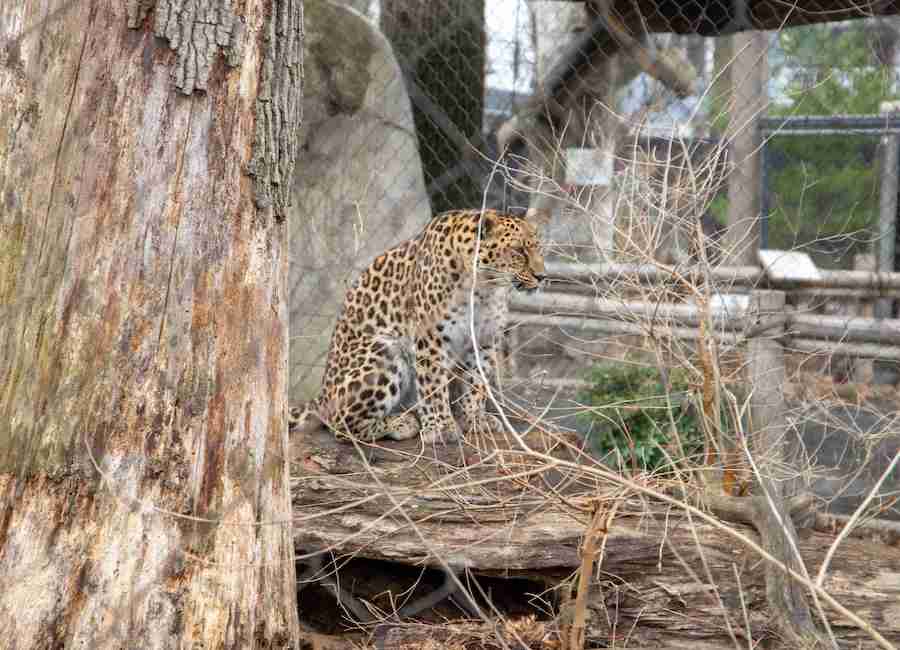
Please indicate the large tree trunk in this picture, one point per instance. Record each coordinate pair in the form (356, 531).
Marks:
(143, 332)
(441, 47)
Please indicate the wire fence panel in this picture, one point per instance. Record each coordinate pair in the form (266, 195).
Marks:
(627, 123)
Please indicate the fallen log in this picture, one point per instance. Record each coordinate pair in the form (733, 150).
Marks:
(666, 579)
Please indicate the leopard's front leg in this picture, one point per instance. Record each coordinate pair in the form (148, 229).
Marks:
(473, 392)
(433, 376)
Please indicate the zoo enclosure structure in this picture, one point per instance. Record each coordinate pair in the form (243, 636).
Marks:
(754, 315)
(568, 304)
(392, 139)
(752, 322)
(886, 126)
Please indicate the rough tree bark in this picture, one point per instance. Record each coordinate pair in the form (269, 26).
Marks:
(144, 147)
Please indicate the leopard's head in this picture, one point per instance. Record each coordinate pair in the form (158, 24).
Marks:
(510, 251)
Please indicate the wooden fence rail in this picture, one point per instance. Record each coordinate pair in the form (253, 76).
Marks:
(857, 282)
(576, 299)
(564, 304)
(729, 315)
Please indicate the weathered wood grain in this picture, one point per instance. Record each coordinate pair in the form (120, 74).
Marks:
(143, 334)
(665, 581)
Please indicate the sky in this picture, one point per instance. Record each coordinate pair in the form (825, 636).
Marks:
(509, 37)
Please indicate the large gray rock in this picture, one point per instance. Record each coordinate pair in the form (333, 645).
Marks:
(359, 187)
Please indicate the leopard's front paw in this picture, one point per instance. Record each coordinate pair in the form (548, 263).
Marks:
(484, 423)
(443, 432)
(402, 427)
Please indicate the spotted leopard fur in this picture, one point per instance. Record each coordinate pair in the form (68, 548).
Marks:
(402, 360)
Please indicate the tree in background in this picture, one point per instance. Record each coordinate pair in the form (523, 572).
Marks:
(441, 47)
(824, 188)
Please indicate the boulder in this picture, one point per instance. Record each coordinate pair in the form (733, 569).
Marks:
(358, 188)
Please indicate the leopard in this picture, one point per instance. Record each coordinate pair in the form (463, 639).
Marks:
(421, 333)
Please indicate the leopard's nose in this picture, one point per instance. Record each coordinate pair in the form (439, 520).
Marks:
(540, 277)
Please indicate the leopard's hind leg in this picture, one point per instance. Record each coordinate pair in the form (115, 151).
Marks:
(368, 399)
(397, 427)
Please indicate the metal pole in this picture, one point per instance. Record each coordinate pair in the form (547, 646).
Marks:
(764, 199)
(885, 372)
(887, 218)
(818, 124)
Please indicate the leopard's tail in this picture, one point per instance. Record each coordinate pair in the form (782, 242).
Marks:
(304, 418)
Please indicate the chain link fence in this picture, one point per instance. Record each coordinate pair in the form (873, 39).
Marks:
(821, 190)
(415, 107)
(633, 125)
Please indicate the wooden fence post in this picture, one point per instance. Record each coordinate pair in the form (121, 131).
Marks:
(766, 378)
(887, 217)
(749, 71)
(863, 369)
(767, 442)
(886, 372)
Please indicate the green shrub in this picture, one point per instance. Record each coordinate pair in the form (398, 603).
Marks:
(629, 414)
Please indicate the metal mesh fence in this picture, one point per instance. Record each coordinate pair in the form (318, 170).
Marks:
(820, 194)
(415, 107)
